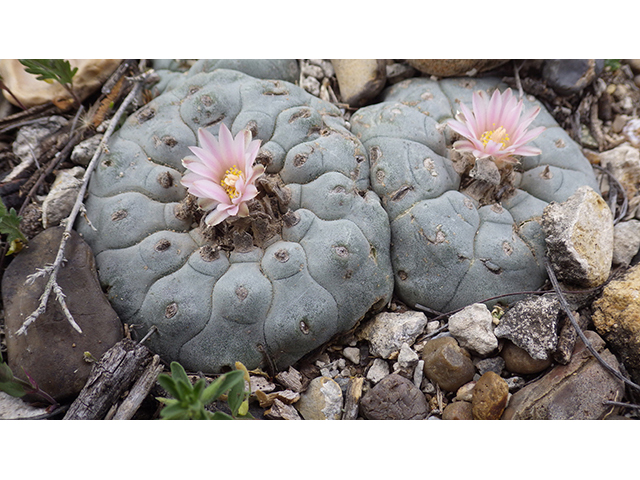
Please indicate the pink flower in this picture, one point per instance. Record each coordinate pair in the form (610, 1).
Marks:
(495, 128)
(222, 175)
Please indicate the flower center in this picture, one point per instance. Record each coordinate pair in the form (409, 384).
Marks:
(231, 176)
(499, 135)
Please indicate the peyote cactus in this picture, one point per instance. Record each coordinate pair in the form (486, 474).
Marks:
(455, 241)
(309, 262)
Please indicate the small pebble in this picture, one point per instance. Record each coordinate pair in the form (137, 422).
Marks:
(465, 392)
(447, 364)
(379, 369)
(458, 411)
(321, 401)
(519, 361)
(490, 397)
(352, 354)
(394, 398)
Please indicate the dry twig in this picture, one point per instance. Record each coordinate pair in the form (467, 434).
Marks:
(52, 270)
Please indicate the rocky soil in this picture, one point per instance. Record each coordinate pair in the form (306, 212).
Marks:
(522, 359)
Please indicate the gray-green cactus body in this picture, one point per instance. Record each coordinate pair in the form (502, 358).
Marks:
(172, 72)
(447, 250)
(324, 272)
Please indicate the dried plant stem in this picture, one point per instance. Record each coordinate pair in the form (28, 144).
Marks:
(52, 270)
(583, 337)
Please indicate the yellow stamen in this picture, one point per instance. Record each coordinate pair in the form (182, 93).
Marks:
(231, 176)
(499, 136)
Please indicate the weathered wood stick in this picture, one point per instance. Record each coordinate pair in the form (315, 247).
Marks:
(116, 371)
(140, 390)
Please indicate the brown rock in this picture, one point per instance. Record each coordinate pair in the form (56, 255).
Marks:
(447, 364)
(454, 67)
(490, 397)
(458, 411)
(360, 80)
(52, 352)
(576, 391)
(30, 91)
(616, 317)
(394, 398)
(518, 360)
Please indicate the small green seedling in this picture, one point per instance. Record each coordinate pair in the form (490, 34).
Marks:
(10, 226)
(190, 399)
(53, 70)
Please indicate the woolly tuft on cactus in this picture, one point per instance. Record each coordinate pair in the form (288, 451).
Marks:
(309, 260)
(462, 230)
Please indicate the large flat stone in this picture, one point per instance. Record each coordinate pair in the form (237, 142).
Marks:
(51, 351)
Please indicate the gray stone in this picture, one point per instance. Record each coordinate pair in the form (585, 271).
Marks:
(378, 370)
(579, 237)
(570, 76)
(360, 80)
(388, 331)
(418, 374)
(473, 328)
(626, 241)
(394, 398)
(493, 364)
(321, 401)
(532, 324)
(407, 358)
(576, 391)
(52, 351)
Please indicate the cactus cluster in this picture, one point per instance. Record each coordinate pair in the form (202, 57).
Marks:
(343, 216)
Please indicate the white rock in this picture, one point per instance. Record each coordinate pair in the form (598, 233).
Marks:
(321, 401)
(418, 374)
(626, 241)
(378, 370)
(388, 331)
(352, 354)
(407, 358)
(472, 327)
(579, 237)
(14, 408)
(623, 162)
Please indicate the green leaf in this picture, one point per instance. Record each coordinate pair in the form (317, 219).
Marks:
(220, 416)
(178, 373)
(10, 226)
(169, 385)
(12, 388)
(51, 69)
(174, 412)
(221, 385)
(235, 397)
